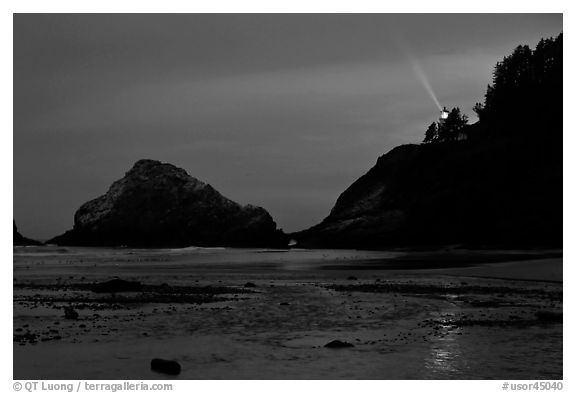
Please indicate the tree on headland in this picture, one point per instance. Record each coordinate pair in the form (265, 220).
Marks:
(449, 129)
(524, 100)
(452, 127)
(431, 133)
(526, 91)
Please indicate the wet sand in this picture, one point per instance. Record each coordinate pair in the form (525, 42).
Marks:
(451, 314)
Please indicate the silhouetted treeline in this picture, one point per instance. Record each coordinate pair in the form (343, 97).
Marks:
(525, 97)
(524, 100)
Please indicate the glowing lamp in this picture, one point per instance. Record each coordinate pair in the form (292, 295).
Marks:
(444, 114)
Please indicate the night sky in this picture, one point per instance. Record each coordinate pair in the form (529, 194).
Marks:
(280, 111)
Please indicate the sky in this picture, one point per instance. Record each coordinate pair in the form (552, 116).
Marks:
(282, 111)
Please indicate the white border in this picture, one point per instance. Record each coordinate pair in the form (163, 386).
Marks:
(324, 6)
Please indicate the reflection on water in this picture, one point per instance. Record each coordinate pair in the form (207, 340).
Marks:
(446, 358)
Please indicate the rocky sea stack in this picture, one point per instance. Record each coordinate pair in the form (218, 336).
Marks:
(159, 205)
(19, 240)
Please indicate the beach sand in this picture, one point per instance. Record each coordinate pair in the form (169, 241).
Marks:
(450, 314)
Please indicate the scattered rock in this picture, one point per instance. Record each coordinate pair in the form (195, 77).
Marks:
(485, 303)
(117, 285)
(549, 316)
(352, 278)
(284, 304)
(26, 338)
(249, 285)
(170, 367)
(338, 344)
(70, 313)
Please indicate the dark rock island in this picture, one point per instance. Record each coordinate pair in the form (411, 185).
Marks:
(159, 205)
(19, 240)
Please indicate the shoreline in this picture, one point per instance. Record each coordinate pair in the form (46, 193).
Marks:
(196, 307)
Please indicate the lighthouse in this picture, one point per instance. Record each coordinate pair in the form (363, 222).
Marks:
(443, 115)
